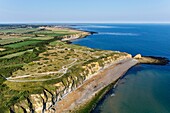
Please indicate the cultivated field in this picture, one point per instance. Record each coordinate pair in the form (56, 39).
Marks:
(37, 59)
(34, 53)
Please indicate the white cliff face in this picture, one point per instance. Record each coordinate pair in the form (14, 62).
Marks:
(75, 36)
(45, 102)
(138, 56)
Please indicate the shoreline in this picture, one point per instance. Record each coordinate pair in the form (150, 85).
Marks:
(89, 103)
(78, 99)
(80, 92)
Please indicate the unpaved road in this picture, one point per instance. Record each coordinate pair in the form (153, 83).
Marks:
(63, 71)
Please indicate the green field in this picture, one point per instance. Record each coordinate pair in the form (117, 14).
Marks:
(39, 60)
(54, 33)
(16, 54)
(25, 43)
(43, 38)
(12, 40)
(18, 30)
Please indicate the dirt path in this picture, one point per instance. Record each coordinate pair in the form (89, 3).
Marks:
(91, 86)
(63, 71)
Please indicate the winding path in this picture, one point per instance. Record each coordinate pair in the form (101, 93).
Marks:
(63, 71)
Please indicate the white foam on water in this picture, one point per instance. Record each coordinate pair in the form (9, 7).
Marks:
(118, 34)
(102, 26)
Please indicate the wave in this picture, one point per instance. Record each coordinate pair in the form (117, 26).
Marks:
(119, 34)
(96, 26)
(101, 26)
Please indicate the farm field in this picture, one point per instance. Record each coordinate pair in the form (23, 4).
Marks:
(25, 43)
(30, 49)
(12, 40)
(18, 30)
(37, 59)
(16, 54)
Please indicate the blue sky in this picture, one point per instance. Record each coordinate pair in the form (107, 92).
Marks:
(84, 11)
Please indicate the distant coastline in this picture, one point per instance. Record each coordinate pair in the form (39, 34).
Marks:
(85, 103)
(87, 92)
(81, 81)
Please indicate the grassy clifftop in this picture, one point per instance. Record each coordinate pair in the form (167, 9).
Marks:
(37, 71)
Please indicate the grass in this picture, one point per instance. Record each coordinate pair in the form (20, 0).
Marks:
(15, 58)
(55, 43)
(16, 54)
(54, 33)
(88, 107)
(45, 55)
(58, 54)
(25, 43)
(43, 38)
(18, 30)
(12, 40)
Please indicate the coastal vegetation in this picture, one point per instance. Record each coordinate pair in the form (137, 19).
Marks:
(88, 107)
(34, 60)
(19, 47)
(38, 67)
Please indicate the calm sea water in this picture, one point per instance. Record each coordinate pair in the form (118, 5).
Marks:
(144, 88)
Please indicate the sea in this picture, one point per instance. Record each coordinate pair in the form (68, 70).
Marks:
(144, 88)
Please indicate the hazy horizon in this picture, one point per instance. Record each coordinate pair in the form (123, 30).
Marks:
(84, 22)
(79, 11)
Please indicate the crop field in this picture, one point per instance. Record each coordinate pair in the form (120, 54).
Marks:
(8, 36)
(43, 38)
(12, 40)
(22, 56)
(18, 30)
(16, 54)
(25, 43)
(56, 32)
(37, 59)
(52, 33)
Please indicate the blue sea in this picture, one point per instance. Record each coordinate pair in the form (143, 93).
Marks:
(144, 88)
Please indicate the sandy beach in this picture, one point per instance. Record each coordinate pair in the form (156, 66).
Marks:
(93, 85)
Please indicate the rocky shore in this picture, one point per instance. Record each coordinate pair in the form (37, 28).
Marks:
(85, 96)
(82, 99)
(95, 87)
(151, 60)
(80, 93)
(77, 100)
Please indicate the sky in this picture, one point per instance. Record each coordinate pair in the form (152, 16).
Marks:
(84, 11)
